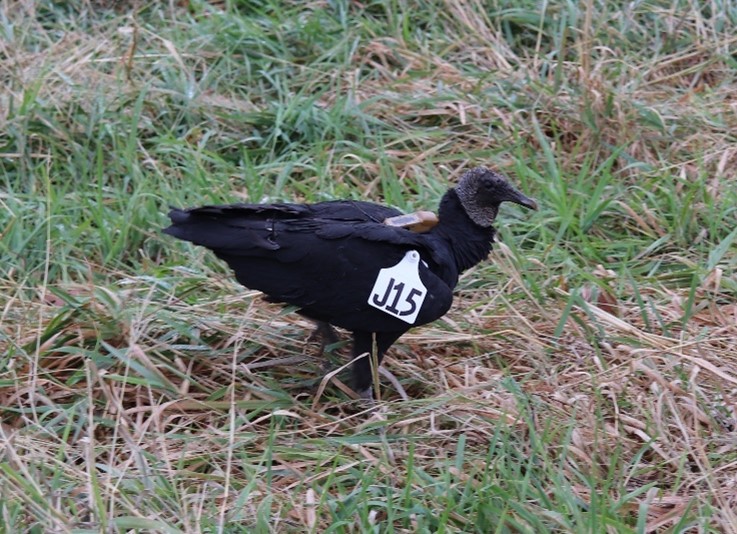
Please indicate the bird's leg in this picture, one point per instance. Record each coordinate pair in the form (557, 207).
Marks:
(328, 337)
(326, 334)
(363, 344)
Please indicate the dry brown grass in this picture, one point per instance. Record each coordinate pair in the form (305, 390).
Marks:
(588, 374)
(667, 400)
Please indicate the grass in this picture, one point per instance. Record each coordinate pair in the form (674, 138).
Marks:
(584, 380)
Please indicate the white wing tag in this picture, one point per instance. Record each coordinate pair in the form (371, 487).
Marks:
(398, 290)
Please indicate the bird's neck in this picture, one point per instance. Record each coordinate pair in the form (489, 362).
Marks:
(469, 242)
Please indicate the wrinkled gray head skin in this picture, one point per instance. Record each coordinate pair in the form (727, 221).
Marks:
(482, 190)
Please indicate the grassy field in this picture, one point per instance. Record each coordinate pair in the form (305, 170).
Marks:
(585, 379)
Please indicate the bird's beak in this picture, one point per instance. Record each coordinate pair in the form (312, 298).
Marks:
(523, 200)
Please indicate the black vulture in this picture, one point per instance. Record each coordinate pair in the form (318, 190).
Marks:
(341, 265)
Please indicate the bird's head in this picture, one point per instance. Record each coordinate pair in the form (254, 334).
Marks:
(481, 190)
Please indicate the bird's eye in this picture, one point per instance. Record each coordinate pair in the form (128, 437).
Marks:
(490, 186)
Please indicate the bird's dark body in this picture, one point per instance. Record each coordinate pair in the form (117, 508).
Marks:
(325, 264)
(324, 258)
